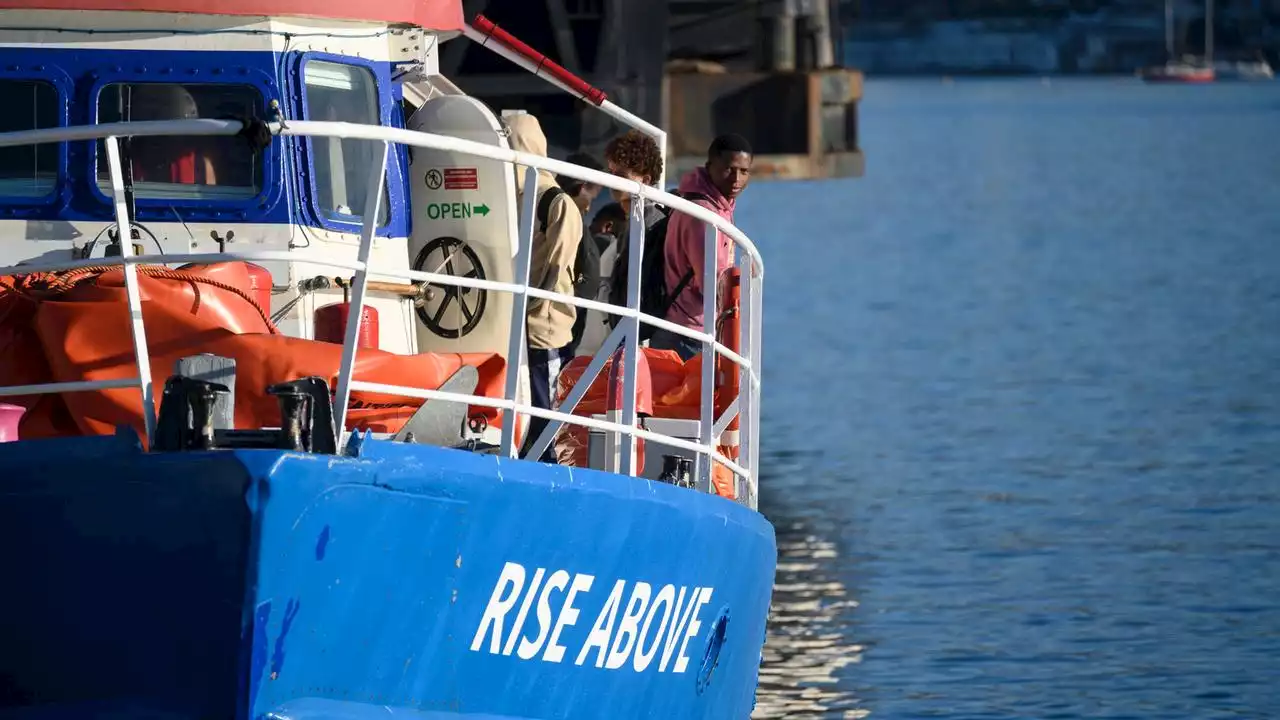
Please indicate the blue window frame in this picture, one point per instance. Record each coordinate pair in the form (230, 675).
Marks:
(220, 84)
(182, 169)
(335, 89)
(29, 174)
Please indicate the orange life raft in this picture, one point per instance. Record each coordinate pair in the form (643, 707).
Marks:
(668, 387)
(74, 326)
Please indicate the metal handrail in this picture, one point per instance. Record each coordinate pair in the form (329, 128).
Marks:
(431, 278)
(627, 331)
(353, 131)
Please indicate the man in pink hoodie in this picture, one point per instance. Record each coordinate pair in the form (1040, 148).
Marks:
(715, 186)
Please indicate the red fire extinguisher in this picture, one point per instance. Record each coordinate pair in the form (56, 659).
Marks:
(331, 323)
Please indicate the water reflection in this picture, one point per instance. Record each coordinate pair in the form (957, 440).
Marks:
(808, 642)
(1022, 403)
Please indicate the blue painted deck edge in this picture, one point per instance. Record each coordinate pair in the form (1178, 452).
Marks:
(261, 584)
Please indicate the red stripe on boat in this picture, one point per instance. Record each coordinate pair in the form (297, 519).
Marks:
(431, 14)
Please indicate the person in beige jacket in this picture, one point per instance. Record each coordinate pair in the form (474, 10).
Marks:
(557, 232)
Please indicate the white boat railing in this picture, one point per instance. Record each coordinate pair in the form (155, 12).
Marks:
(745, 409)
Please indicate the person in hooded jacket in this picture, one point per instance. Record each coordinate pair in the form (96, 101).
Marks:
(586, 270)
(549, 322)
(716, 187)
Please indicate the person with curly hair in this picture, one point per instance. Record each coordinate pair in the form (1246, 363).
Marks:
(634, 156)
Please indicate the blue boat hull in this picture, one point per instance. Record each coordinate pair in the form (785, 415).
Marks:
(403, 581)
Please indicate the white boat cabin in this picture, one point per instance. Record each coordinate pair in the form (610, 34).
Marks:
(70, 63)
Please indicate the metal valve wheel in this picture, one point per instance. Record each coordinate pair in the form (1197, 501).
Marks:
(450, 256)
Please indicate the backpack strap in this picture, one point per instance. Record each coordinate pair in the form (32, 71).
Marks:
(688, 275)
(675, 294)
(544, 205)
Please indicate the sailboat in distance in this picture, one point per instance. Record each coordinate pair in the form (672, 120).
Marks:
(1257, 69)
(1188, 69)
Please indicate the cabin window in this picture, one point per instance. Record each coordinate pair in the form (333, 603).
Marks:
(183, 167)
(342, 93)
(28, 170)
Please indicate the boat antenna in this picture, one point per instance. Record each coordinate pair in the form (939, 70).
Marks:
(1208, 32)
(126, 156)
(124, 106)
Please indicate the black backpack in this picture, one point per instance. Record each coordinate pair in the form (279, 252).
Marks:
(586, 265)
(654, 298)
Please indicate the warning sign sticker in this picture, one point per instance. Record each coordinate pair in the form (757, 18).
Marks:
(461, 179)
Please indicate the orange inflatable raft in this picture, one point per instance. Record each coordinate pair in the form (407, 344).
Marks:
(74, 326)
(667, 387)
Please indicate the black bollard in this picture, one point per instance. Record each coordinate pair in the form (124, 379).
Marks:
(295, 417)
(202, 397)
(677, 470)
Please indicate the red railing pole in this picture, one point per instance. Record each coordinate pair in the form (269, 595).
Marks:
(492, 32)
